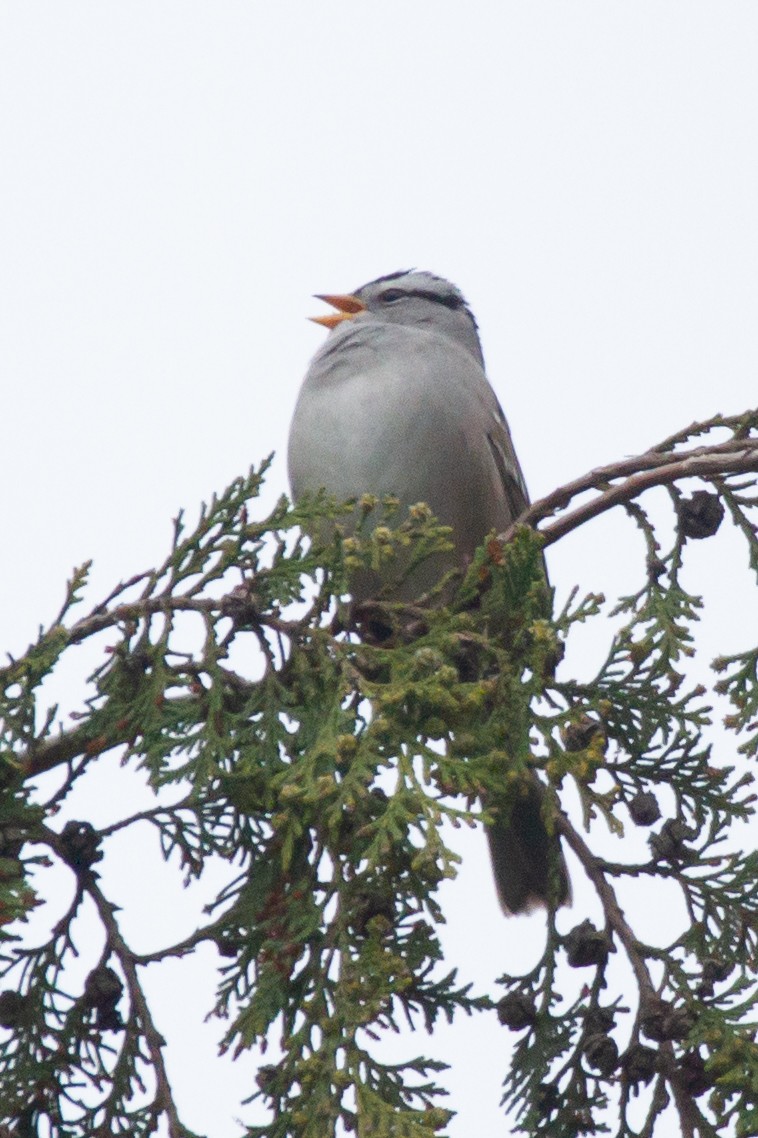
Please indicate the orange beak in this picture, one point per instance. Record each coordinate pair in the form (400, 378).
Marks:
(347, 307)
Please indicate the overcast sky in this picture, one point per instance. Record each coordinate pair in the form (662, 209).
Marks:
(178, 178)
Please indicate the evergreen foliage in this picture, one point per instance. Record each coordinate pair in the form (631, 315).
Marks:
(321, 773)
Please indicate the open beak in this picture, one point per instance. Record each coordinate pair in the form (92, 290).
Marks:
(347, 307)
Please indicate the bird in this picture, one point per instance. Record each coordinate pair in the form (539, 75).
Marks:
(396, 402)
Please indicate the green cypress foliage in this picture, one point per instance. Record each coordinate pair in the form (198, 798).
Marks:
(315, 749)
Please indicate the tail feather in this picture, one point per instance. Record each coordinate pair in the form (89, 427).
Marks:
(529, 867)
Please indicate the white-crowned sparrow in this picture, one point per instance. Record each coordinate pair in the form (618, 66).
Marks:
(396, 402)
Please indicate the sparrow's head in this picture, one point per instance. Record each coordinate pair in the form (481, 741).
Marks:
(411, 298)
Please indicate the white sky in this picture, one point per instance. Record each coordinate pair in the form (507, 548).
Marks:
(177, 179)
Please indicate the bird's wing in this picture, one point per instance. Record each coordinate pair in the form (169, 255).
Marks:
(504, 455)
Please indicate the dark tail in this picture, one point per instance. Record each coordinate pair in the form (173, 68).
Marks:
(529, 867)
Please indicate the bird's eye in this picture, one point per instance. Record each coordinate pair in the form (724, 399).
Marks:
(390, 295)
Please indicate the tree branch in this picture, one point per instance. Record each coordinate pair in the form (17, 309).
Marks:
(641, 473)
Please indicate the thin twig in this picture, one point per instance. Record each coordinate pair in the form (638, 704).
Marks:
(164, 1098)
(613, 912)
(689, 1113)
